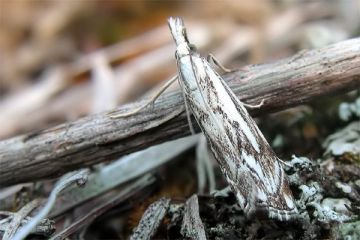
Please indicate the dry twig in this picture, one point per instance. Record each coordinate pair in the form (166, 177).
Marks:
(282, 84)
(18, 217)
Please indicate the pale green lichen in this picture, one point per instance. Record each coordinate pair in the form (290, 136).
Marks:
(346, 188)
(347, 110)
(340, 205)
(325, 214)
(309, 194)
(327, 210)
(349, 231)
(300, 163)
(344, 141)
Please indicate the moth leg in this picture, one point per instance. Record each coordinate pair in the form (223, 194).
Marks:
(254, 106)
(188, 114)
(285, 163)
(222, 193)
(152, 100)
(204, 166)
(211, 58)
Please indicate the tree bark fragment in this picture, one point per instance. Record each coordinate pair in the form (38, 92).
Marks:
(192, 227)
(151, 220)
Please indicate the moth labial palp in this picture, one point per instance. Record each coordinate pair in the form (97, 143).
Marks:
(249, 164)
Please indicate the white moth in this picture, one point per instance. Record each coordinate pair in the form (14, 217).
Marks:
(249, 164)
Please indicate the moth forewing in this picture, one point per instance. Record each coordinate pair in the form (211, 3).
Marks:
(246, 159)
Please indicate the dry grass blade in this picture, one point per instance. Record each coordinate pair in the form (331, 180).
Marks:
(78, 177)
(130, 190)
(103, 81)
(204, 166)
(121, 171)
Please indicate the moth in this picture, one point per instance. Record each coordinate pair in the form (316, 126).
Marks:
(249, 164)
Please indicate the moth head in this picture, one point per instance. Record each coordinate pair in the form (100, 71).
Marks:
(192, 48)
(178, 30)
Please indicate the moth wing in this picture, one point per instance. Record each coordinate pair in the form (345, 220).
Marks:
(272, 183)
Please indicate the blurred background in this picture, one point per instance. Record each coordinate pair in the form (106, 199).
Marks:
(61, 60)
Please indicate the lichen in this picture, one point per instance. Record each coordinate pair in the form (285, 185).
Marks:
(347, 110)
(349, 231)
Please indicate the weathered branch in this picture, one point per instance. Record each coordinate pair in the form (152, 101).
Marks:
(282, 84)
